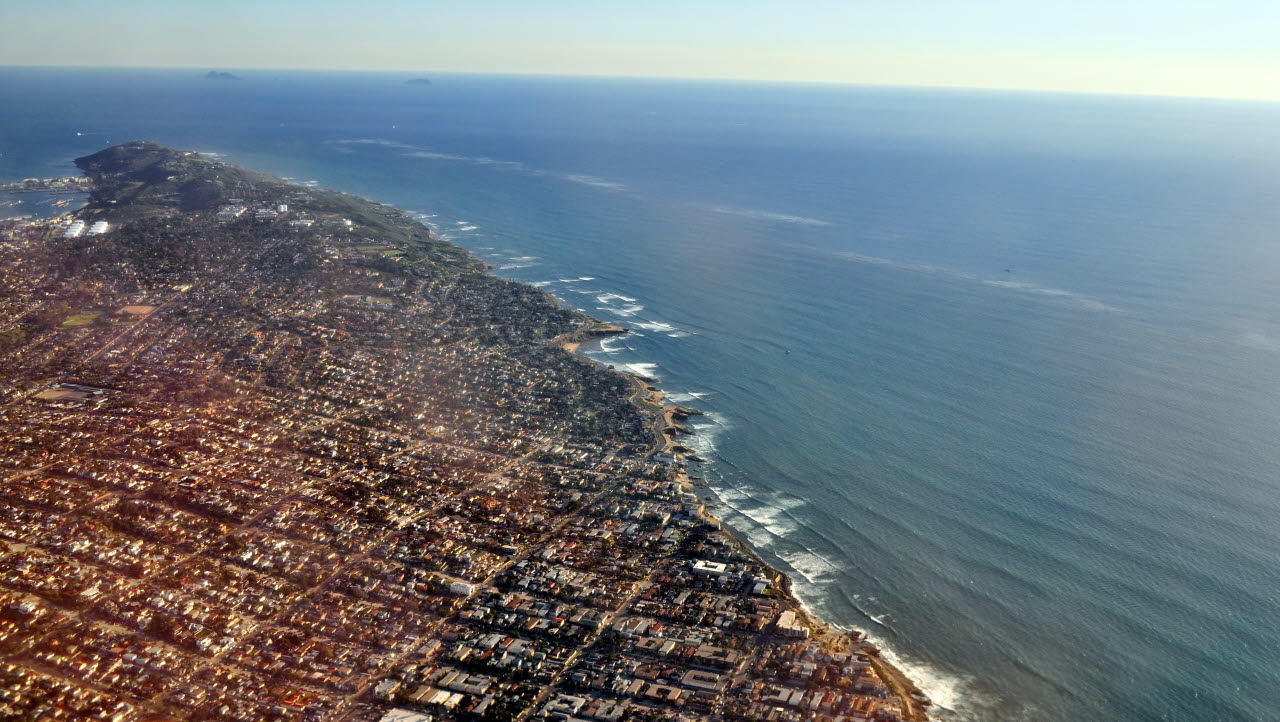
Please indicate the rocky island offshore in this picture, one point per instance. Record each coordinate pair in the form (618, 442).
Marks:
(271, 452)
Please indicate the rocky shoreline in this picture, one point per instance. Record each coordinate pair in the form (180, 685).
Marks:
(669, 420)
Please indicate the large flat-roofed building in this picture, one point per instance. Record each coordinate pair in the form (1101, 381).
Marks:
(710, 569)
(789, 626)
(399, 714)
(71, 392)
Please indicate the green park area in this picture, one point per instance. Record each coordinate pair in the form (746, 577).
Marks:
(79, 319)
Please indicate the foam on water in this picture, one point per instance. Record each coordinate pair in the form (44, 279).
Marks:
(1258, 340)
(955, 697)
(769, 513)
(610, 297)
(1091, 304)
(609, 344)
(373, 141)
(772, 519)
(705, 429)
(1086, 302)
(813, 567)
(474, 160)
(423, 153)
(768, 216)
(595, 182)
(687, 397)
(648, 370)
(654, 326)
(627, 311)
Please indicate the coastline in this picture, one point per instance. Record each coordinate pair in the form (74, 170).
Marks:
(667, 429)
(594, 333)
(891, 690)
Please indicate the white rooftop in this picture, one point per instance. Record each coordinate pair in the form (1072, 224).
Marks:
(404, 715)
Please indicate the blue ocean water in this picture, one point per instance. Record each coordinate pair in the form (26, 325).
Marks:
(994, 376)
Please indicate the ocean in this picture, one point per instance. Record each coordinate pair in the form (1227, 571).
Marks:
(994, 376)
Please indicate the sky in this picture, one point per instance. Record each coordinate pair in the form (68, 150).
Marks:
(1218, 48)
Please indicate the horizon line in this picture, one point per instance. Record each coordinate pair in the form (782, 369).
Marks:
(672, 78)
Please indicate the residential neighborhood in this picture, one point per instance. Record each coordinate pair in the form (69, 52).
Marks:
(270, 452)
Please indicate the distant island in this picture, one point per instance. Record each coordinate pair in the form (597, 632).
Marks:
(419, 81)
(219, 75)
(271, 452)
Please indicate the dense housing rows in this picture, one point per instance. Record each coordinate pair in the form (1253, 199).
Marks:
(271, 452)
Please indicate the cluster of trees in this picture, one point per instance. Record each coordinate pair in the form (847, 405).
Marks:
(12, 338)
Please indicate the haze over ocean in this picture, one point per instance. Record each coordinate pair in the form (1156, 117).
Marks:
(1025, 434)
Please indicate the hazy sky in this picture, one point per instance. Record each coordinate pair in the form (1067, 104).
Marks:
(1228, 48)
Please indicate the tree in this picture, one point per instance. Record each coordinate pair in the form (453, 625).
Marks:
(12, 338)
(54, 315)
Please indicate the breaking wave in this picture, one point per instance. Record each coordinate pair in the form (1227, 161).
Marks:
(648, 370)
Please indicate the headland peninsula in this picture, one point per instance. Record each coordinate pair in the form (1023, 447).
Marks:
(273, 452)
